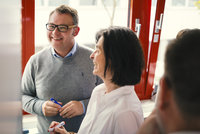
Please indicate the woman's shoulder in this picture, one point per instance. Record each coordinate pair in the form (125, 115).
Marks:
(128, 101)
(99, 88)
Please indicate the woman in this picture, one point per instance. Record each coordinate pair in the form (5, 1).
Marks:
(114, 107)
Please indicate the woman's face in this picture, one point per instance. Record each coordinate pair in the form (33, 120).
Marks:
(98, 59)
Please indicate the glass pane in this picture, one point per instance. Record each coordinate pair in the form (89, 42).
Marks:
(110, 2)
(5, 3)
(175, 19)
(88, 2)
(154, 3)
(10, 72)
(191, 3)
(153, 13)
(91, 19)
(39, 3)
(58, 2)
(178, 2)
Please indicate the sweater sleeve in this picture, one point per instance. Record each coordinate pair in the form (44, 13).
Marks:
(30, 102)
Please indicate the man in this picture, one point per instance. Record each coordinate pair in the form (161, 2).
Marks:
(178, 107)
(62, 71)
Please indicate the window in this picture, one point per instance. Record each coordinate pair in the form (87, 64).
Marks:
(91, 19)
(183, 3)
(178, 3)
(191, 3)
(57, 2)
(110, 2)
(46, 3)
(175, 20)
(39, 3)
(88, 2)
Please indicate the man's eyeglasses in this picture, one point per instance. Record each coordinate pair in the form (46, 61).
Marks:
(61, 28)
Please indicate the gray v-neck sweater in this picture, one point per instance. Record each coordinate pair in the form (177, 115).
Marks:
(64, 79)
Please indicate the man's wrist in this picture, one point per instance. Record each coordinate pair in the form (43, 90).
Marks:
(83, 106)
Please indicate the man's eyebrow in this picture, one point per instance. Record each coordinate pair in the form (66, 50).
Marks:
(59, 25)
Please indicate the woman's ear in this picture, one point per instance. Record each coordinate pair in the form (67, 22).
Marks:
(76, 31)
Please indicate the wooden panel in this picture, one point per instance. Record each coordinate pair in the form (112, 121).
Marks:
(140, 9)
(154, 47)
(28, 20)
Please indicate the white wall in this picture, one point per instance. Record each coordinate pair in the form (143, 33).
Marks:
(10, 67)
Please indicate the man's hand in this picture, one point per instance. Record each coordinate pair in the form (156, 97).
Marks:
(71, 109)
(50, 109)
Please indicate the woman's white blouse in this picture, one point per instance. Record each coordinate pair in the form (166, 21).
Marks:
(117, 112)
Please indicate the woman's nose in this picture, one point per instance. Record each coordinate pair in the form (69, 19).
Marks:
(92, 56)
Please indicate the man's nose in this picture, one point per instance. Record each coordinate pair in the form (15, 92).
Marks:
(56, 31)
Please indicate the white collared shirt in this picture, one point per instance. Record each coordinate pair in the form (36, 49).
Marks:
(68, 55)
(117, 112)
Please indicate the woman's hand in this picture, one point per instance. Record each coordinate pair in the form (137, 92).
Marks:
(60, 130)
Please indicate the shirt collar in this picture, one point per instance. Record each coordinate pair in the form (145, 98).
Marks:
(115, 94)
(73, 50)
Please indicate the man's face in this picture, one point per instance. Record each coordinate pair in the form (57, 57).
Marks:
(61, 41)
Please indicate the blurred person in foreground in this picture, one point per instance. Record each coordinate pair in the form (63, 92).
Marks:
(62, 71)
(178, 105)
(114, 107)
